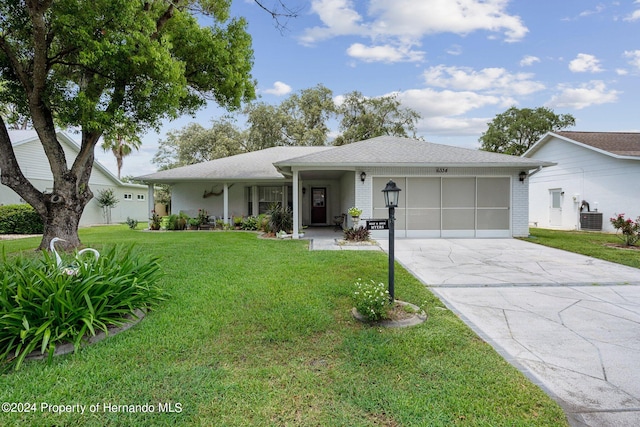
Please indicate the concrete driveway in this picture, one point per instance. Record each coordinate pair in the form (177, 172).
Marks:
(571, 323)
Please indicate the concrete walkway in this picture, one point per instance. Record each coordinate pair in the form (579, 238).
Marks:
(569, 322)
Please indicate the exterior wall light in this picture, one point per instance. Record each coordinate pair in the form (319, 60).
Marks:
(522, 176)
(363, 176)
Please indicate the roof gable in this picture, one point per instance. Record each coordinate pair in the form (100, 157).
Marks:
(23, 137)
(623, 145)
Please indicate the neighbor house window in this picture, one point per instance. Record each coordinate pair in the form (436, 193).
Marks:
(140, 197)
(128, 196)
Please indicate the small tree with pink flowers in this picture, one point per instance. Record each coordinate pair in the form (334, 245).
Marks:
(627, 229)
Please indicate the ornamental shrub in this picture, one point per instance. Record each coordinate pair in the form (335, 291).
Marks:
(371, 299)
(280, 218)
(20, 219)
(627, 229)
(42, 305)
(357, 234)
(250, 223)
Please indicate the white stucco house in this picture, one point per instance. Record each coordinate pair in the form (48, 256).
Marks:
(446, 191)
(35, 166)
(597, 176)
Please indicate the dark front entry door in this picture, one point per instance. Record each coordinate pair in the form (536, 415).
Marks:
(318, 205)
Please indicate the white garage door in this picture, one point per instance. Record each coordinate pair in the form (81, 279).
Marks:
(449, 207)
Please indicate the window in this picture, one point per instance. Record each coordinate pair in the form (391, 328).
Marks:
(128, 196)
(267, 196)
(140, 197)
(248, 194)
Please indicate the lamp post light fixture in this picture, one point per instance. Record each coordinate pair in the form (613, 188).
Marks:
(391, 197)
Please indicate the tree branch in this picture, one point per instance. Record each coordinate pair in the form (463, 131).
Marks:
(12, 176)
(277, 15)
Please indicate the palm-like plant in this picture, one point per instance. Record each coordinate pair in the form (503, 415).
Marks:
(121, 143)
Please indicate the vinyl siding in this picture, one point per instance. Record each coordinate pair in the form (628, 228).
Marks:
(608, 184)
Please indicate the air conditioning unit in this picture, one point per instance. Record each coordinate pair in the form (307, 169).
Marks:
(591, 221)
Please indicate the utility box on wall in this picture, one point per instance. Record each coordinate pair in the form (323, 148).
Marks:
(591, 221)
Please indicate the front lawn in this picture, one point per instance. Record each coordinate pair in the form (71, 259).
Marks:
(259, 332)
(597, 245)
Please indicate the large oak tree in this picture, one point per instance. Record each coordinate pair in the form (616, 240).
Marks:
(517, 129)
(98, 65)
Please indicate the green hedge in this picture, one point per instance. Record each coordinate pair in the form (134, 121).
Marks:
(20, 219)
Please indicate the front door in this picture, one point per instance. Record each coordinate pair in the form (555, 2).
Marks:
(318, 205)
(555, 212)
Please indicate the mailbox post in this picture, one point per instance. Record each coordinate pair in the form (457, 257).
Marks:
(391, 197)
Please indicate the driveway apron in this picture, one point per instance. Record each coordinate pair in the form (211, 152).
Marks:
(571, 323)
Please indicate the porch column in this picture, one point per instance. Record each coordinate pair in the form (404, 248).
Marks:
(255, 200)
(296, 204)
(225, 197)
(151, 202)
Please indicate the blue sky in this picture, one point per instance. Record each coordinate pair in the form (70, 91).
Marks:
(457, 62)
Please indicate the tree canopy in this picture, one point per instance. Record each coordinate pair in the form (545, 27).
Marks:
(96, 65)
(194, 144)
(364, 118)
(516, 130)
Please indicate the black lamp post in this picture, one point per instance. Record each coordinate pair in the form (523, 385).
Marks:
(391, 197)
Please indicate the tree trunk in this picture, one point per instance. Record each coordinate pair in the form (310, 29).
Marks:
(62, 221)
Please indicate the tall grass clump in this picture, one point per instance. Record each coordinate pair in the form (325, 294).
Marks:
(42, 305)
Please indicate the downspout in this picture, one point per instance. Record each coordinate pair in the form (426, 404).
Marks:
(534, 172)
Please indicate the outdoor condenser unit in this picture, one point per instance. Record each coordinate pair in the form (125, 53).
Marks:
(591, 221)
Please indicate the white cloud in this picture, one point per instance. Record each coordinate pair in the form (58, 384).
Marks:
(455, 50)
(432, 103)
(339, 19)
(405, 22)
(529, 60)
(592, 93)
(634, 58)
(278, 89)
(453, 126)
(490, 80)
(599, 8)
(420, 17)
(585, 63)
(384, 53)
(633, 16)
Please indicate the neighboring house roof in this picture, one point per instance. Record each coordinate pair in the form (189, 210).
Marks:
(396, 151)
(20, 137)
(624, 145)
(255, 165)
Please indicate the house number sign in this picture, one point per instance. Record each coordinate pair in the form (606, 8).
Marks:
(377, 224)
(442, 170)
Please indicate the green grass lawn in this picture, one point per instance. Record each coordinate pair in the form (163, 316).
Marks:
(259, 332)
(597, 245)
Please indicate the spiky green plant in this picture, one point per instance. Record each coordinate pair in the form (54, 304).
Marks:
(42, 305)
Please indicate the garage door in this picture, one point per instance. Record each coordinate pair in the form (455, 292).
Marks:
(449, 207)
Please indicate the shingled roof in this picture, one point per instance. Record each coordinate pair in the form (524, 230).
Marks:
(406, 152)
(619, 143)
(255, 165)
(274, 163)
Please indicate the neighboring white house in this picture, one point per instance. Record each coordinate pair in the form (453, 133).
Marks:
(133, 198)
(446, 191)
(596, 177)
